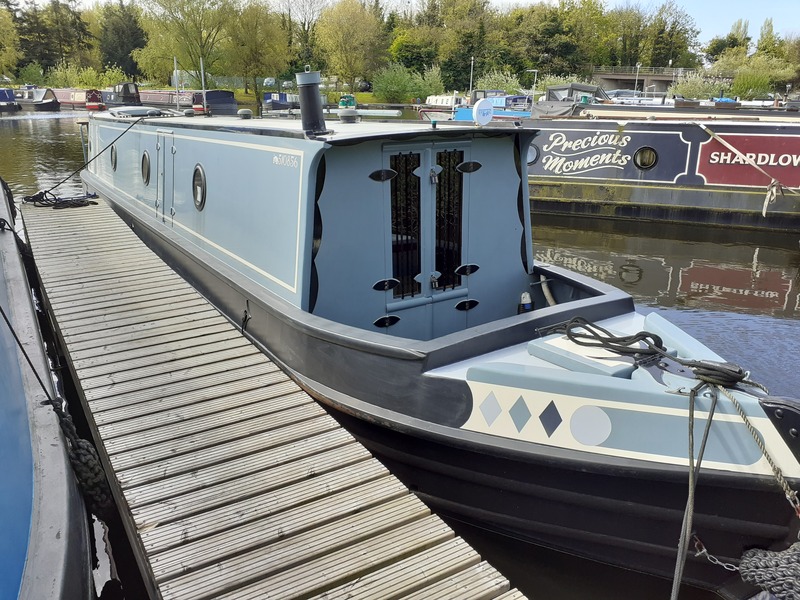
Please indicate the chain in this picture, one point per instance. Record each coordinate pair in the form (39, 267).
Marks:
(700, 550)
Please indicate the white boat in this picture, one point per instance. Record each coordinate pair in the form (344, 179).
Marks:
(388, 267)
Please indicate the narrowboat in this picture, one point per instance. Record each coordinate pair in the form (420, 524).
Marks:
(37, 99)
(179, 100)
(217, 102)
(45, 544)
(389, 268)
(8, 103)
(122, 94)
(78, 99)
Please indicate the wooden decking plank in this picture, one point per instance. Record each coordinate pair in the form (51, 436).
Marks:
(480, 582)
(210, 574)
(305, 504)
(133, 280)
(345, 563)
(238, 424)
(166, 351)
(151, 503)
(178, 390)
(132, 337)
(137, 348)
(279, 395)
(84, 338)
(215, 393)
(93, 322)
(126, 373)
(171, 382)
(237, 484)
(275, 447)
(119, 302)
(407, 575)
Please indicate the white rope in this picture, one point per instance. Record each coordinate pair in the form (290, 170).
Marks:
(774, 186)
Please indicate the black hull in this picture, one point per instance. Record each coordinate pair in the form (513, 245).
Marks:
(41, 107)
(626, 517)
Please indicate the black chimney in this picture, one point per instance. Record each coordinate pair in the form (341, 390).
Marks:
(310, 102)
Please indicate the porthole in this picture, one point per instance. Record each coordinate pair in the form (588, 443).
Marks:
(199, 187)
(533, 154)
(146, 168)
(113, 158)
(645, 158)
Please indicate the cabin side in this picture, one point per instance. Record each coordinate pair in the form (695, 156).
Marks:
(240, 198)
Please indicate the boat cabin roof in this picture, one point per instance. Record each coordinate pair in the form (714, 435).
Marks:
(336, 131)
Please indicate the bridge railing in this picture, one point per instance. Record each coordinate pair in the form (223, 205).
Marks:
(628, 70)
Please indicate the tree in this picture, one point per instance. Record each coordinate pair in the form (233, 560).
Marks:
(34, 38)
(349, 34)
(9, 43)
(121, 34)
(673, 35)
(69, 34)
(415, 48)
(298, 21)
(191, 30)
(768, 42)
(255, 45)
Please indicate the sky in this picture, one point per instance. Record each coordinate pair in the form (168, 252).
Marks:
(715, 17)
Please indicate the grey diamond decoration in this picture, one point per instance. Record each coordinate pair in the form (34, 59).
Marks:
(490, 408)
(550, 418)
(520, 414)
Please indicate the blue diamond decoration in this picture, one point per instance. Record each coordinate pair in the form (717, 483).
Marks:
(550, 418)
(520, 414)
(490, 408)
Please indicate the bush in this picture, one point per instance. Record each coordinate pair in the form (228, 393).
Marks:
(393, 84)
(699, 87)
(499, 80)
(32, 73)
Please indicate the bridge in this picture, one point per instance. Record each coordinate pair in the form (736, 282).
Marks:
(645, 79)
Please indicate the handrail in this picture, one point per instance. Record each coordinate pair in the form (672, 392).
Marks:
(626, 69)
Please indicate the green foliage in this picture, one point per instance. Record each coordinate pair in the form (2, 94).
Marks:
(428, 84)
(499, 80)
(112, 75)
(67, 75)
(121, 34)
(9, 43)
(394, 84)
(33, 74)
(698, 86)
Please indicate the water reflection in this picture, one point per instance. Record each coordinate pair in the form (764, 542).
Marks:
(685, 267)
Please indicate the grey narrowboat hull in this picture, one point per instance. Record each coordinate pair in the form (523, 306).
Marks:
(550, 497)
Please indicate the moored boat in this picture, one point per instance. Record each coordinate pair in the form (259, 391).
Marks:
(8, 103)
(122, 94)
(179, 100)
(37, 99)
(45, 544)
(389, 268)
(79, 99)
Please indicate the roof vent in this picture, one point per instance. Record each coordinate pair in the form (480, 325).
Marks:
(245, 113)
(311, 115)
(348, 115)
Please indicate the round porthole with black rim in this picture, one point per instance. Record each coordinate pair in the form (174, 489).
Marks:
(199, 187)
(114, 158)
(533, 154)
(146, 168)
(645, 158)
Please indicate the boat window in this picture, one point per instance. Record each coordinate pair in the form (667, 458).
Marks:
(645, 158)
(533, 154)
(199, 187)
(114, 158)
(146, 168)
(449, 195)
(405, 223)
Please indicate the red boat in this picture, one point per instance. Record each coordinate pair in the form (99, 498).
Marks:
(77, 99)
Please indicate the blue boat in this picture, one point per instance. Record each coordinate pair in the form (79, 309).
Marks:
(8, 103)
(388, 267)
(44, 546)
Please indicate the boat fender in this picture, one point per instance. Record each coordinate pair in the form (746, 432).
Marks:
(775, 572)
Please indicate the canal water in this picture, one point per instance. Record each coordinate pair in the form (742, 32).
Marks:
(736, 291)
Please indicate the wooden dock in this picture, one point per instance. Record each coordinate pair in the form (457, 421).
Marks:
(231, 481)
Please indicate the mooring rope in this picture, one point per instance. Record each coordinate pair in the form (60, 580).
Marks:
(776, 572)
(82, 454)
(774, 188)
